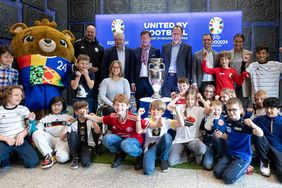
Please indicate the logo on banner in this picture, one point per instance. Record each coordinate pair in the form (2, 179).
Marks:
(117, 26)
(216, 25)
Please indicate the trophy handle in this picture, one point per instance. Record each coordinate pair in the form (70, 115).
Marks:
(162, 66)
(150, 66)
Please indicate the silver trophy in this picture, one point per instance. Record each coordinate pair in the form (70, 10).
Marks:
(156, 75)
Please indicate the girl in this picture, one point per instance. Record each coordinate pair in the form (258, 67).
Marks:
(259, 109)
(225, 94)
(188, 135)
(209, 94)
(47, 136)
(13, 129)
(157, 140)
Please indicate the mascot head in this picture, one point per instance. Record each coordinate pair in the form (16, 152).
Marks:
(43, 38)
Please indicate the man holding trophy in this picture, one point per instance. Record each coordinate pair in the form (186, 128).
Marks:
(178, 61)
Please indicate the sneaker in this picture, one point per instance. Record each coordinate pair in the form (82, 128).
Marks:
(164, 166)
(4, 170)
(49, 160)
(74, 163)
(118, 160)
(198, 159)
(139, 163)
(264, 169)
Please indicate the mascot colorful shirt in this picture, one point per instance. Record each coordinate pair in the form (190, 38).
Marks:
(44, 57)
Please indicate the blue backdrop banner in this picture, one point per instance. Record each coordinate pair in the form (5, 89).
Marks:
(222, 25)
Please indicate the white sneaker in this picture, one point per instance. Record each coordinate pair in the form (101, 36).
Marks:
(264, 170)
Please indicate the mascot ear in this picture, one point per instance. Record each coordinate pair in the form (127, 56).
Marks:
(69, 35)
(17, 28)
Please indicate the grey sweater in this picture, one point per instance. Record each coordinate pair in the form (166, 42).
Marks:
(109, 88)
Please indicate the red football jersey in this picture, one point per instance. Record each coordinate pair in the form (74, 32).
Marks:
(125, 129)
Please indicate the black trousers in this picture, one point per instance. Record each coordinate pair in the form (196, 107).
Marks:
(78, 149)
(267, 153)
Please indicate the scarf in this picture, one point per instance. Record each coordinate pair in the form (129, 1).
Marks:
(144, 54)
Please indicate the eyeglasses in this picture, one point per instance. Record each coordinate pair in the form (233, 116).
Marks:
(232, 110)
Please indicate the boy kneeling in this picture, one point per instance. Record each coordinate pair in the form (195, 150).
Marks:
(124, 138)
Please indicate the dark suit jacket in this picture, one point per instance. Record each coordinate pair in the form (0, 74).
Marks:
(197, 73)
(111, 55)
(153, 53)
(183, 60)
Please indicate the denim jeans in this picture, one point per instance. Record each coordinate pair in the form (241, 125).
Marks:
(213, 153)
(230, 168)
(25, 152)
(117, 144)
(160, 150)
(267, 153)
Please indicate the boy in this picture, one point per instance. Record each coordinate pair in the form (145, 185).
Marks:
(82, 81)
(157, 140)
(124, 138)
(238, 155)
(224, 75)
(183, 85)
(80, 137)
(8, 75)
(264, 74)
(269, 147)
(215, 135)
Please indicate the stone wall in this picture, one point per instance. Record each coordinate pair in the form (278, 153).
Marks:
(261, 21)
(27, 11)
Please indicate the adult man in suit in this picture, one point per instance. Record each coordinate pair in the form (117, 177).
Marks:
(143, 54)
(178, 61)
(118, 52)
(199, 78)
(90, 46)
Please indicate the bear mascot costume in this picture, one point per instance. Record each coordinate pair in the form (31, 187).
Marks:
(44, 56)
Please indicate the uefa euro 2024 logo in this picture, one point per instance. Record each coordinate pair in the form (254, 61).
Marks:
(216, 25)
(117, 26)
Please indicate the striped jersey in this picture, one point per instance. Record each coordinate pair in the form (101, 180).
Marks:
(265, 77)
(12, 120)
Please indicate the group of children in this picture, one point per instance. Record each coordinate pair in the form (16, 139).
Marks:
(213, 128)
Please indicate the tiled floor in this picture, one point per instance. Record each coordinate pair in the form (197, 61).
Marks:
(102, 175)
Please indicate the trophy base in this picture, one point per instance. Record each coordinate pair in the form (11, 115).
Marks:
(156, 96)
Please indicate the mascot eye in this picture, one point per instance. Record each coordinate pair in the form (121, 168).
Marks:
(28, 39)
(63, 43)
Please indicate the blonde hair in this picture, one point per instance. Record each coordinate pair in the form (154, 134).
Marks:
(261, 93)
(122, 98)
(111, 67)
(158, 104)
(216, 103)
(83, 57)
(192, 92)
(232, 101)
(230, 92)
(8, 92)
